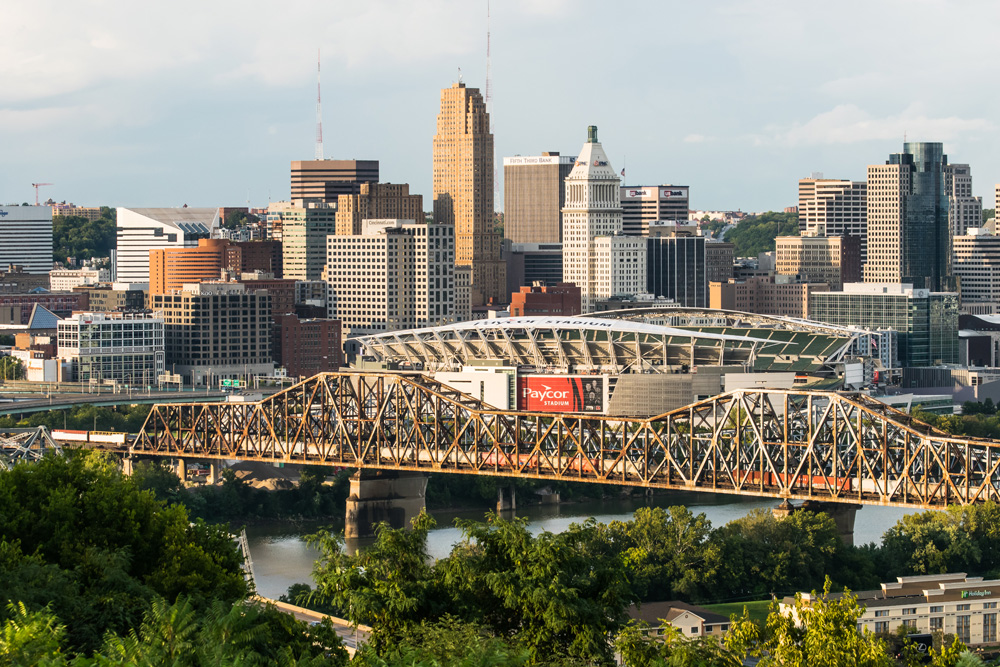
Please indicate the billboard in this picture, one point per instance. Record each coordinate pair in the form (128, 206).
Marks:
(559, 393)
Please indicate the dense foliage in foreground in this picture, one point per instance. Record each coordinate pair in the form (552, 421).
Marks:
(93, 567)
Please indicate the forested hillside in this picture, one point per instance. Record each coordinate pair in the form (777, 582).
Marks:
(756, 234)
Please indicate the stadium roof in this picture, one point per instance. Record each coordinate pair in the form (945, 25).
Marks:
(600, 344)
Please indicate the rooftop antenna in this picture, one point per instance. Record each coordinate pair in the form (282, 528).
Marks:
(489, 104)
(319, 113)
(460, 75)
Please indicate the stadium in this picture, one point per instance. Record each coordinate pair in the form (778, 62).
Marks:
(633, 362)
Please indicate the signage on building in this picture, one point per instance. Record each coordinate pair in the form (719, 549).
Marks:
(558, 393)
(633, 193)
(537, 159)
(670, 194)
(976, 594)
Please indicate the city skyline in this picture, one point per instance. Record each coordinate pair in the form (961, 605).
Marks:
(208, 106)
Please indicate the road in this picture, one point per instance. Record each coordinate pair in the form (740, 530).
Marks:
(351, 636)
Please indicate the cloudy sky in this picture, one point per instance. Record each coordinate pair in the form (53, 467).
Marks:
(164, 103)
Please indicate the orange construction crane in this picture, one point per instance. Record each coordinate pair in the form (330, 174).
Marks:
(36, 186)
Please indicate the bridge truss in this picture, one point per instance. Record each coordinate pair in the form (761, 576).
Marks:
(29, 444)
(783, 444)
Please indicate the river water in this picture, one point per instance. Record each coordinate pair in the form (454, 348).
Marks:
(281, 556)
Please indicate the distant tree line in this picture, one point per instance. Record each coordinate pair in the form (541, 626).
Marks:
(755, 234)
(73, 236)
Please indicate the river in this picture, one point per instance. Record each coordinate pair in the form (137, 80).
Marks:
(281, 556)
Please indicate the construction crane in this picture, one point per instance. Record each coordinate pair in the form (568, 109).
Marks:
(36, 186)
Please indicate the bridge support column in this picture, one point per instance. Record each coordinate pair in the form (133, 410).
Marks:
(213, 472)
(383, 495)
(506, 503)
(843, 515)
(182, 470)
(128, 464)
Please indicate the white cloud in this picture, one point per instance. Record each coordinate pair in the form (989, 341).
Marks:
(848, 123)
(697, 139)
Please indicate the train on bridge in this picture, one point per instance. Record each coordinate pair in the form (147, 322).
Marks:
(92, 437)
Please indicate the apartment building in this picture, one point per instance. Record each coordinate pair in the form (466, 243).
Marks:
(215, 331)
(833, 260)
(976, 262)
(124, 348)
(377, 200)
(304, 228)
(834, 207)
(398, 275)
(781, 296)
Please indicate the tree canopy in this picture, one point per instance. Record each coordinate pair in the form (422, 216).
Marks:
(755, 234)
(73, 236)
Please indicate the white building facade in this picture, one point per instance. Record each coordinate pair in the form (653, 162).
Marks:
(124, 348)
(975, 259)
(143, 229)
(398, 276)
(64, 280)
(26, 238)
(600, 264)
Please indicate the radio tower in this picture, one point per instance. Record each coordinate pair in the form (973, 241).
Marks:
(319, 114)
(489, 106)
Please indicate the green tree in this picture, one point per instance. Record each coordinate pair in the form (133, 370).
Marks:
(78, 237)
(822, 633)
(756, 234)
(665, 550)
(446, 643)
(11, 368)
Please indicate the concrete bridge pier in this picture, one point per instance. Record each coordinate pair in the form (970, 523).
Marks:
(843, 514)
(213, 472)
(182, 471)
(128, 465)
(383, 495)
(506, 503)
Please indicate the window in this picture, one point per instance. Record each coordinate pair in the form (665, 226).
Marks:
(881, 626)
(937, 623)
(962, 628)
(881, 612)
(937, 609)
(694, 631)
(989, 627)
(964, 607)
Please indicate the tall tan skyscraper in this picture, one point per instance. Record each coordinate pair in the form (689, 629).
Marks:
(378, 201)
(463, 189)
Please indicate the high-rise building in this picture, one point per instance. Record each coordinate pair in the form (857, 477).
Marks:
(127, 348)
(534, 193)
(675, 265)
(718, 261)
(976, 262)
(927, 321)
(833, 260)
(304, 228)
(463, 189)
(964, 210)
(596, 257)
(325, 180)
(172, 268)
(831, 207)
(26, 238)
(530, 263)
(643, 204)
(143, 229)
(908, 228)
(216, 331)
(377, 201)
(249, 256)
(396, 276)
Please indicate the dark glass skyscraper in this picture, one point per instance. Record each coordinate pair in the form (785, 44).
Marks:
(909, 238)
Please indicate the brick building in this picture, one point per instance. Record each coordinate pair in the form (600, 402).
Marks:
(555, 300)
(305, 347)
